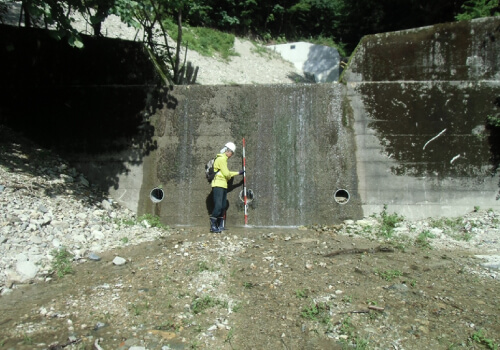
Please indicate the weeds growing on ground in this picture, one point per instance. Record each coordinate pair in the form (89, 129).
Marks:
(203, 266)
(423, 239)
(389, 222)
(151, 220)
(480, 338)
(389, 275)
(317, 312)
(301, 293)
(27, 340)
(206, 302)
(61, 264)
(139, 309)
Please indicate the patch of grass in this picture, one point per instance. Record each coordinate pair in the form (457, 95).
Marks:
(462, 236)
(389, 275)
(237, 307)
(317, 312)
(423, 239)
(229, 336)
(346, 327)
(201, 304)
(168, 326)
(27, 339)
(361, 343)
(301, 293)
(61, 264)
(248, 285)
(480, 338)
(124, 240)
(203, 266)
(388, 222)
(139, 309)
(205, 41)
(347, 299)
(447, 224)
(152, 221)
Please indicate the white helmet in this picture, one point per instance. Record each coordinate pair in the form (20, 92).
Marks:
(230, 146)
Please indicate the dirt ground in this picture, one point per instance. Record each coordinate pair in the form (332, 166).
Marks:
(260, 288)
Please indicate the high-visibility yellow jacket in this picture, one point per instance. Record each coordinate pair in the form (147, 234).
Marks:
(223, 174)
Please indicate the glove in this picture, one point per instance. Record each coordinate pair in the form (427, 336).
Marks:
(241, 172)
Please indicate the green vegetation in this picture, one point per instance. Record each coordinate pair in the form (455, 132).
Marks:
(423, 239)
(229, 336)
(347, 299)
(493, 121)
(140, 308)
(388, 222)
(61, 263)
(317, 312)
(389, 275)
(301, 293)
(27, 340)
(447, 224)
(477, 9)
(151, 220)
(206, 302)
(205, 41)
(480, 338)
(248, 285)
(203, 266)
(146, 220)
(203, 25)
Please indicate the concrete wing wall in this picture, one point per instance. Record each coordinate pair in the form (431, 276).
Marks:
(420, 100)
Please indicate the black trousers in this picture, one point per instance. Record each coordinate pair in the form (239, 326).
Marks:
(220, 199)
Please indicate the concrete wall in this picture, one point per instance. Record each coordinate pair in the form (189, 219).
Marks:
(298, 155)
(320, 61)
(407, 128)
(420, 99)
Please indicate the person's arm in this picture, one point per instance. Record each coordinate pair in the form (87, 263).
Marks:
(225, 171)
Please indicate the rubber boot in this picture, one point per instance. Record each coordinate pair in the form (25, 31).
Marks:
(220, 224)
(213, 225)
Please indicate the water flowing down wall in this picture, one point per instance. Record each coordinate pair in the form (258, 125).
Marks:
(299, 154)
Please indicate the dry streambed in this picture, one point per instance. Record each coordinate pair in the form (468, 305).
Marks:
(261, 289)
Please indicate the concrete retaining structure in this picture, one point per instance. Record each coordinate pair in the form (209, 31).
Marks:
(407, 128)
(420, 100)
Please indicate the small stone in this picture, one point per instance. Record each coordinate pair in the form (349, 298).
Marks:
(119, 261)
(93, 256)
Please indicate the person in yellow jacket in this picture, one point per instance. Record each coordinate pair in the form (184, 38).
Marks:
(219, 185)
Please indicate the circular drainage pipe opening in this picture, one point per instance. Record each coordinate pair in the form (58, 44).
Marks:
(250, 196)
(156, 195)
(341, 196)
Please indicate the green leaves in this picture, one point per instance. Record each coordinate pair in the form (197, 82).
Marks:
(477, 9)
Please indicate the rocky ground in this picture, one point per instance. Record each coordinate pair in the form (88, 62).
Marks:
(79, 272)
